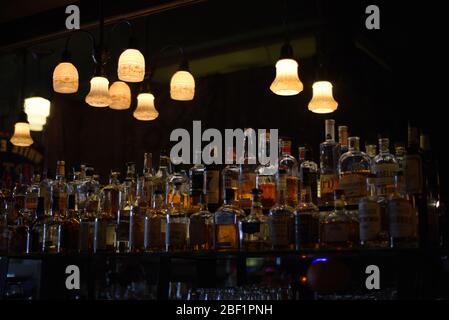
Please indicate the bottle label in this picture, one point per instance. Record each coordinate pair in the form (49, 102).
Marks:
(213, 190)
(401, 218)
(336, 232)
(279, 231)
(413, 174)
(354, 186)
(177, 233)
(226, 236)
(328, 183)
(369, 220)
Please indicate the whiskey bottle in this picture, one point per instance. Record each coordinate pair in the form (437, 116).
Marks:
(32, 194)
(155, 224)
(288, 163)
(230, 179)
(213, 184)
(308, 174)
(281, 218)
(354, 167)
(337, 229)
(254, 227)
(197, 175)
(136, 229)
(45, 191)
(402, 217)
(371, 225)
(329, 156)
(105, 227)
(59, 189)
(201, 226)
(178, 188)
(266, 181)
(247, 175)
(384, 167)
(307, 221)
(86, 231)
(226, 223)
(68, 238)
(36, 228)
(177, 221)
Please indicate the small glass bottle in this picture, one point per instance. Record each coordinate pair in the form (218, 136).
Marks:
(266, 180)
(289, 163)
(371, 150)
(307, 221)
(402, 218)
(384, 167)
(164, 171)
(371, 225)
(337, 229)
(308, 174)
(226, 220)
(201, 226)
(254, 227)
(155, 224)
(281, 218)
(247, 176)
(69, 232)
(177, 221)
(126, 203)
(32, 193)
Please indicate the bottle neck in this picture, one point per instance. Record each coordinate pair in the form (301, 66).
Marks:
(158, 201)
(330, 130)
(306, 195)
(147, 164)
(281, 187)
(354, 144)
(413, 138)
(343, 136)
(384, 146)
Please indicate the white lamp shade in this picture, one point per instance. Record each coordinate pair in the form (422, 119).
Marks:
(21, 137)
(99, 93)
(145, 110)
(37, 110)
(182, 86)
(287, 81)
(322, 100)
(131, 66)
(120, 96)
(65, 78)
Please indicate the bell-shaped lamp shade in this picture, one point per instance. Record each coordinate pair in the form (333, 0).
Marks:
(37, 110)
(322, 100)
(120, 96)
(145, 110)
(65, 78)
(182, 86)
(99, 92)
(21, 137)
(287, 81)
(131, 66)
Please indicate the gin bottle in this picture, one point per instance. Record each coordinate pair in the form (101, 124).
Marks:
(126, 200)
(254, 227)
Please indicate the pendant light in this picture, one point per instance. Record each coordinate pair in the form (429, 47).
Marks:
(37, 110)
(146, 110)
(322, 100)
(21, 136)
(120, 94)
(287, 81)
(182, 83)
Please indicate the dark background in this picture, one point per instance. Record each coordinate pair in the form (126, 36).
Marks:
(381, 78)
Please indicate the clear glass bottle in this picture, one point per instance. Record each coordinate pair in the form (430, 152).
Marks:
(371, 150)
(371, 225)
(145, 183)
(81, 192)
(402, 217)
(254, 227)
(32, 194)
(130, 182)
(337, 229)
(18, 193)
(266, 180)
(59, 188)
(213, 184)
(37, 226)
(384, 167)
(329, 156)
(281, 218)
(68, 238)
(155, 224)
(105, 220)
(308, 174)
(197, 175)
(49, 229)
(178, 195)
(86, 233)
(230, 178)
(164, 171)
(126, 204)
(201, 226)
(136, 229)
(343, 138)
(354, 167)
(176, 234)
(307, 221)
(45, 191)
(288, 163)
(226, 223)
(247, 175)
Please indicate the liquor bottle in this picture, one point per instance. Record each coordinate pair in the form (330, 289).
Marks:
(130, 182)
(354, 167)
(81, 193)
(177, 221)
(402, 217)
(371, 227)
(73, 186)
(18, 193)
(180, 194)
(86, 231)
(4, 233)
(384, 167)
(136, 229)
(307, 221)
(254, 227)
(148, 181)
(329, 155)
(230, 178)
(68, 237)
(281, 217)
(155, 224)
(371, 150)
(343, 138)
(126, 204)
(266, 180)
(308, 174)
(32, 194)
(45, 191)
(92, 188)
(337, 229)
(197, 175)
(226, 223)
(201, 225)
(288, 162)
(37, 226)
(301, 155)
(109, 195)
(18, 234)
(399, 152)
(247, 174)
(59, 189)
(164, 170)
(48, 228)
(213, 184)
(105, 219)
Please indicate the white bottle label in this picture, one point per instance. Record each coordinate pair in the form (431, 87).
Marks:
(354, 186)
(401, 219)
(369, 220)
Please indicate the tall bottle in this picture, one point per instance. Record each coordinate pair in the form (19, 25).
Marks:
(45, 191)
(289, 163)
(247, 175)
(308, 174)
(177, 221)
(402, 217)
(329, 155)
(385, 167)
(197, 173)
(145, 183)
(266, 180)
(226, 223)
(59, 188)
(354, 167)
(69, 229)
(155, 224)
(137, 228)
(307, 221)
(254, 227)
(164, 170)
(281, 217)
(213, 184)
(105, 220)
(126, 200)
(32, 194)
(230, 178)
(201, 225)
(178, 195)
